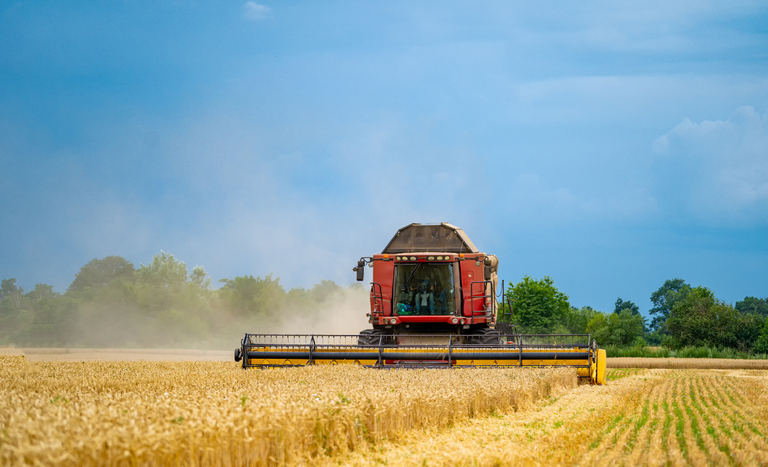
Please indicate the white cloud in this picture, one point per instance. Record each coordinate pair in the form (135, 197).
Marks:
(255, 11)
(717, 170)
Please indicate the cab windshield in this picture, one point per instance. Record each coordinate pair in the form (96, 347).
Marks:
(424, 289)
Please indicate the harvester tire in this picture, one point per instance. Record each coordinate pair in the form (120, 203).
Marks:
(485, 336)
(372, 337)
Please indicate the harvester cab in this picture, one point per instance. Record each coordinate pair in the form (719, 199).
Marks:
(431, 279)
(433, 303)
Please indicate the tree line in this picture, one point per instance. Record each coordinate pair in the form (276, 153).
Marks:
(682, 316)
(111, 303)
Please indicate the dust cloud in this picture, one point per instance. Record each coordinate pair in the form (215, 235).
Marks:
(344, 312)
(214, 326)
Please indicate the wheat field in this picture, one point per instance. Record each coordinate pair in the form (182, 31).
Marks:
(214, 413)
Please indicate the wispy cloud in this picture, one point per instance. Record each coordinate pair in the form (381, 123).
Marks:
(255, 11)
(718, 170)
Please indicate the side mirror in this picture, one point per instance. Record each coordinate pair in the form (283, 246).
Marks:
(360, 269)
(487, 269)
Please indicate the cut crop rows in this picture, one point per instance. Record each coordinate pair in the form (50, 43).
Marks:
(645, 417)
(690, 418)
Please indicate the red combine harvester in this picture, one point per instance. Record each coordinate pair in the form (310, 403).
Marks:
(433, 304)
(431, 279)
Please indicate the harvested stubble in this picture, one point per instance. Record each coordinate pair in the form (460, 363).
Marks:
(194, 413)
(653, 417)
(687, 363)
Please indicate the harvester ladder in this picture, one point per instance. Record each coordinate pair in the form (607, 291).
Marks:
(378, 298)
(482, 296)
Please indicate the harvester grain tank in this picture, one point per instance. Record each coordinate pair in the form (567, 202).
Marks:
(433, 303)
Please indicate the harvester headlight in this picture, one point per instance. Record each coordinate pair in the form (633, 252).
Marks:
(413, 258)
(393, 320)
(462, 320)
(439, 258)
(431, 258)
(455, 320)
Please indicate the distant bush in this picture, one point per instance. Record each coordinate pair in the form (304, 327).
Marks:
(685, 352)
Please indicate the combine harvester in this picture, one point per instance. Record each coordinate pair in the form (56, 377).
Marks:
(433, 304)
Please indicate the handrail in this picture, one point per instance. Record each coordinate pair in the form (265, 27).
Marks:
(380, 297)
(484, 297)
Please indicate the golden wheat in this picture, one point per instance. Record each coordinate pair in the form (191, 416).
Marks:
(210, 413)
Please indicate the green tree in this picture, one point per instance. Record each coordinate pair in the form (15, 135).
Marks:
(40, 292)
(626, 305)
(199, 278)
(55, 320)
(577, 319)
(13, 318)
(165, 284)
(761, 345)
(701, 319)
(748, 327)
(10, 295)
(41, 317)
(247, 295)
(537, 305)
(163, 272)
(622, 328)
(753, 305)
(664, 299)
(100, 273)
(7, 288)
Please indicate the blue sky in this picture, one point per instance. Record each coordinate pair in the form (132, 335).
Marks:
(609, 145)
